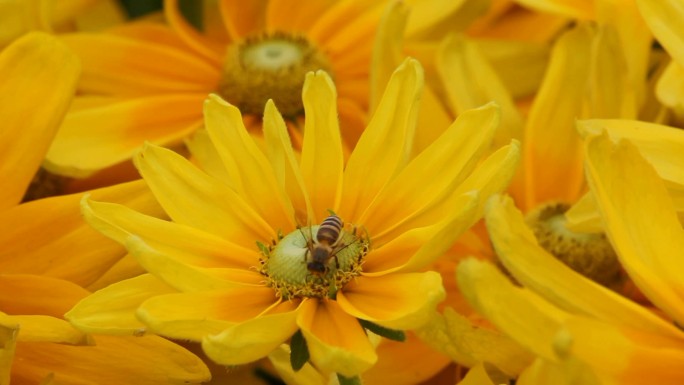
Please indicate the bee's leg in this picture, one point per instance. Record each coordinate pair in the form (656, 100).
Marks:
(337, 262)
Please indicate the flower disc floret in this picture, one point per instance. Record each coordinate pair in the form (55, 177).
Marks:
(285, 264)
(590, 254)
(269, 66)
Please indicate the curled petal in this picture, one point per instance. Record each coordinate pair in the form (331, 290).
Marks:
(196, 315)
(336, 341)
(396, 301)
(252, 339)
(112, 309)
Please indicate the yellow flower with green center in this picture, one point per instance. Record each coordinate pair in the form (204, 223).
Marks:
(573, 326)
(145, 81)
(240, 268)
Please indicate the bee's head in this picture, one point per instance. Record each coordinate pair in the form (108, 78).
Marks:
(316, 267)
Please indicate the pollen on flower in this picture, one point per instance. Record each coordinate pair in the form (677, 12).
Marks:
(285, 264)
(269, 66)
(588, 254)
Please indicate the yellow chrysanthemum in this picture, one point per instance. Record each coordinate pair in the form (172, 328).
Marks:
(210, 282)
(146, 81)
(579, 330)
(39, 347)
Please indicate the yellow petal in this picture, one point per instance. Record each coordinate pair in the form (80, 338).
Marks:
(279, 15)
(284, 162)
(670, 87)
(252, 339)
(538, 270)
(493, 175)
(176, 241)
(179, 186)
(147, 360)
(387, 50)
(194, 316)
(57, 242)
(519, 65)
(665, 19)
(470, 81)
(101, 136)
(242, 19)
(119, 65)
(42, 328)
(384, 147)
(208, 49)
(206, 156)
(336, 341)
(425, 15)
(112, 309)
(251, 174)
(552, 157)
(184, 277)
(418, 362)
(469, 344)
(39, 295)
(517, 312)
(8, 343)
(634, 39)
(627, 355)
(322, 161)
(583, 216)
(19, 17)
(582, 9)
(40, 74)
(611, 92)
(417, 247)
(640, 221)
(566, 372)
(660, 145)
(125, 268)
(424, 184)
(396, 301)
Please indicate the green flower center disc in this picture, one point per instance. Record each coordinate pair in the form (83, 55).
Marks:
(286, 264)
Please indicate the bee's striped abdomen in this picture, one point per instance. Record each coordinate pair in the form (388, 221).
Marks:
(329, 231)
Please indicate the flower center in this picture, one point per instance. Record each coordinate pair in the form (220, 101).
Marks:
(269, 66)
(298, 265)
(588, 254)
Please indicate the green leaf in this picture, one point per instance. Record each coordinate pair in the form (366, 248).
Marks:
(349, 380)
(299, 352)
(391, 334)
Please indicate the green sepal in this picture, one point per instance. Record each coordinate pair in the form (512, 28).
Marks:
(390, 334)
(299, 352)
(356, 380)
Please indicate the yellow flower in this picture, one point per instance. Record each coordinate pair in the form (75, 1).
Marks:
(210, 282)
(572, 325)
(145, 81)
(39, 346)
(47, 236)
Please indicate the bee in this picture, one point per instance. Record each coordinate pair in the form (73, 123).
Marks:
(325, 246)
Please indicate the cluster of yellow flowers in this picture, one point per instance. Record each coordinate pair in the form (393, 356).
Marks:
(475, 192)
